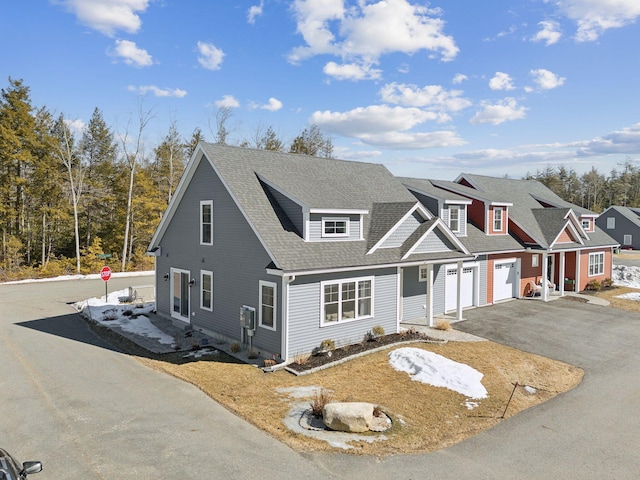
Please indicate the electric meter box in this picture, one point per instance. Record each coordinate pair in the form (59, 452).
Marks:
(248, 318)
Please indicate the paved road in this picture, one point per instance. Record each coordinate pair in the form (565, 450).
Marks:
(92, 413)
(89, 412)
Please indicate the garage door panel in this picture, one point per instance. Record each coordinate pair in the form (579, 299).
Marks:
(451, 288)
(504, 280)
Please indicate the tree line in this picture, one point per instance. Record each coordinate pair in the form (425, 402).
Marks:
(72, 201)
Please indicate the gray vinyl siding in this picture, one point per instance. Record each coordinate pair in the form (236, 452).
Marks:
(623, 227)
(305, 297)
(462, 218)
(236, 258)
(434, 242)
(429, 203)
(482, 260)
(291, 208)
(397, 238)
(439, 275)
(315, 227)
(414, 295)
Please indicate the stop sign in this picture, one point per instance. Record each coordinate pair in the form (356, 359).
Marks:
(105, 273)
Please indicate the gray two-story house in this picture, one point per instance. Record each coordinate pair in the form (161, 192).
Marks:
(281, 251)
(623, 224)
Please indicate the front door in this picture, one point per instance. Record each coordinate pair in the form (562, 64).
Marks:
(180, 294)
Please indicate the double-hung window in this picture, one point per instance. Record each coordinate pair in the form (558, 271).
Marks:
(206, 290)
(346, 300)
(206, 222)
(586, 224)
(611, 223)
(596, 264)
(454, 219)
(268, 304)
(497, 219)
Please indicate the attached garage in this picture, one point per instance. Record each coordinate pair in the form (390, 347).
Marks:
(467, 287)
(505, 280)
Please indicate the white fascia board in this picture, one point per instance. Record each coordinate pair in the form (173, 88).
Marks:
(418, 206)
(422, 237)
(458, 202)
(573, 230)
(439, 224)
(577, 225)
(339, 211)
(500, 204)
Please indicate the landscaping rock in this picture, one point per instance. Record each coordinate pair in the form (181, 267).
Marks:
(353, 417)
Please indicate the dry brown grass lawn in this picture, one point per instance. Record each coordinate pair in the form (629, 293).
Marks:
(621, 303)
(425, 418)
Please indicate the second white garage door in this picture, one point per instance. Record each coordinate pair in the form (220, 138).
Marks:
(504, 280)
(451, 288)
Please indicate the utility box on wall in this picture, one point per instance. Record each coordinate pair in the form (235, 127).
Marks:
(248, 317)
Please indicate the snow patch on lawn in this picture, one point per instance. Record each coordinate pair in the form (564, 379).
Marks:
(439, 371)
(630, 296)
(626, 276)
(110, 313)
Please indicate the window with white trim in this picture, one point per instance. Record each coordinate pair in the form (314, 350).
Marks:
(206, 222)
(497, 219)
(335, 227)
(627, 239)
(454, 218)
(535, 260)
(423, 273)
(611, 223)
(586, 224)
(206, 290)
(268, 291)
(346, 300)
(596, 264)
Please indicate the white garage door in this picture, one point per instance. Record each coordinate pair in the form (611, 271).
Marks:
(504, 280)
(451, 287)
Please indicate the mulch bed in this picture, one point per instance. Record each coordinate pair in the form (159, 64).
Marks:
(320, 360)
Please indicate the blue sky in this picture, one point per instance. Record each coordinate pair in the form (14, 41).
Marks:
(430, 89)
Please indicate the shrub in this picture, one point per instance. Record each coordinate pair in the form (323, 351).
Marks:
(234, 347)
(607, 283)
(442, 325)
(321, 398)
(377, 411)
(327, 345)
(301, 358)
(378, 331)
(594, 286)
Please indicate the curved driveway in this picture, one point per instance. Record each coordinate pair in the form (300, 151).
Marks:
(89, 412)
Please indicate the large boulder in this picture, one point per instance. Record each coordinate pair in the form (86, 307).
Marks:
(353, 417)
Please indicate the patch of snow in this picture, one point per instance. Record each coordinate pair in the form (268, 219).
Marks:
(110, 313)
(471, 405)
(530, 390)
(630, 296)
(428, 367)
(626, 276)
(200, 353)
(93, 276)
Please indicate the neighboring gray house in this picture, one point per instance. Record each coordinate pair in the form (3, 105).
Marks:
(281, 251)
(623, 224)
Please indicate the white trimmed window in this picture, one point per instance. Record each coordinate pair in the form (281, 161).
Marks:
(268, 291)
(497, 219)
(346, 300)
(535, 260)
(586, 224)
(423, 273)
(206, 290)
(611, 223)
(596, 264)
(335, 227)
(454, 218)
(206, 222)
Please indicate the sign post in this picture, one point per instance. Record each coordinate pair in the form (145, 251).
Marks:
(105, 274)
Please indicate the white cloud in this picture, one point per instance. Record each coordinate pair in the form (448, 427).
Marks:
(549, 32)
(227, 101)
(130, 54)
(255, 11)
(273, 105)
(158, 92)
(108, 17)
(459, 78)
(351, 71)
(501, 81)
(546, 80)
(385, 126)
(594, 17)
(76, 127)
(364, 32)
(432, 97)
(625, 141)
(210, 56)
(497, 113)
